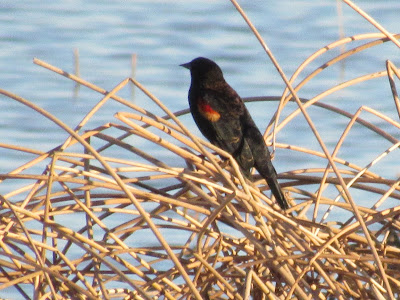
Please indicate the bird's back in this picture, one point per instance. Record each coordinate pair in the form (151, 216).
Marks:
(219, 113)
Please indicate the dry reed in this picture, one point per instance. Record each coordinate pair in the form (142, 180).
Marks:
(92, 225)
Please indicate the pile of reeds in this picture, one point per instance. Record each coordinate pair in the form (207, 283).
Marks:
(94, 225)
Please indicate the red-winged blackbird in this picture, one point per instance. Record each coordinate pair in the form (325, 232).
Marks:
(223, 119)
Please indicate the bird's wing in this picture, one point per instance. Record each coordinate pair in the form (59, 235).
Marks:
(222, 112)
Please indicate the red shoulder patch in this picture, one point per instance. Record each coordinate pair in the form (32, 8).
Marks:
(207, 111)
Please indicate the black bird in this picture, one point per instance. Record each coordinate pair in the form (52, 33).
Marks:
(224, 120)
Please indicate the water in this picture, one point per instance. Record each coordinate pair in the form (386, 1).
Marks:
(165, 34)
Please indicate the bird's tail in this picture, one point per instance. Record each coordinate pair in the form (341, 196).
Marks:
(273, 184)
(266, 169)
(263, 164)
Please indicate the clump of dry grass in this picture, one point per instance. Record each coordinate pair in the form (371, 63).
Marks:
(95, 225)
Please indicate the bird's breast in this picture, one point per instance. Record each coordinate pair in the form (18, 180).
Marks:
(207, 111)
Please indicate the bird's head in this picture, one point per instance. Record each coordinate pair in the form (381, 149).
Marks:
(204, 70)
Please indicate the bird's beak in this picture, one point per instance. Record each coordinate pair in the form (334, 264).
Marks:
(187, 65)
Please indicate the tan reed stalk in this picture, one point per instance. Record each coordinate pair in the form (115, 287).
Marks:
(372, 21)
(328, 156)
(392, 69)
